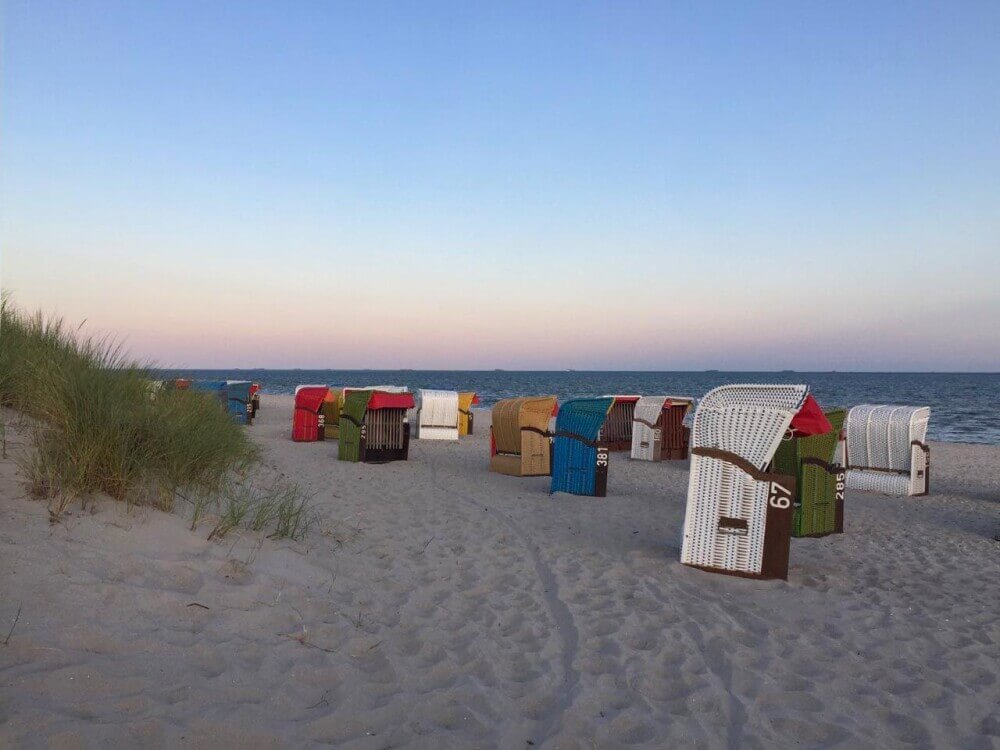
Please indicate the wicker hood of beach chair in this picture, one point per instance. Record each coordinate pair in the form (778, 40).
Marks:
(886, 449)
(819, 481)
(520, 443)
(466, 400)
(739, 515)
(579, 456)
(658, 429)
(374, 426)
(435, 415)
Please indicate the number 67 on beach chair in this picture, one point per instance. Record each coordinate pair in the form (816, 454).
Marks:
(739, 514)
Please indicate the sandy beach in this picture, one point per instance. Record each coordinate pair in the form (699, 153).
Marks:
(437, 605)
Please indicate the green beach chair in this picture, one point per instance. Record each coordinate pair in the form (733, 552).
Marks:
(352, 421)
(819, 501)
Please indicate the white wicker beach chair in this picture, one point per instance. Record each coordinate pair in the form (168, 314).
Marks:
(436, 415)
(739, 516)
(886, 449)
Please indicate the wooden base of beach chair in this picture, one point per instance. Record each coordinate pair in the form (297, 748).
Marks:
(514, 466)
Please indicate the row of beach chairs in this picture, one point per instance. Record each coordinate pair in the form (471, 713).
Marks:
(525, 437)
(767, 463)
(373, 424)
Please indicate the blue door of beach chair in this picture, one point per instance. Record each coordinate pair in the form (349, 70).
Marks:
(579, 463)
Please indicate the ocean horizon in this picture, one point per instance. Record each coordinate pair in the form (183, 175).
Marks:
(963, 405)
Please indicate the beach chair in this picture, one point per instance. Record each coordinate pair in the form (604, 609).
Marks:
(818, 506)
(436, 415)
(177, 384)
(308, 424)
(254, 399)
(238, 401)
(658, 429)
(520, 444)
(374, 426)
(739, 515)
(466, 400)
(218, 388)
(331, 413)
(886, 449)
(616, 433)
(579, 456)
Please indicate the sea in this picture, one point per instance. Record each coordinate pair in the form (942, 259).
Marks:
(965, 407)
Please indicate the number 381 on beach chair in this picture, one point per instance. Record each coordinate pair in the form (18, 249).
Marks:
(739, 514)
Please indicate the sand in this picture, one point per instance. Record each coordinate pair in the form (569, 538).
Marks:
(437, 605)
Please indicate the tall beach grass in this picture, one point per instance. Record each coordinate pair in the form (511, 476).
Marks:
(98, 425)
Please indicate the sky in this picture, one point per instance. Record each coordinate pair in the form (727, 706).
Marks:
(620, 185)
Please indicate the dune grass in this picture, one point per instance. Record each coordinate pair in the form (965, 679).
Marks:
(98, 425)
(278, 507)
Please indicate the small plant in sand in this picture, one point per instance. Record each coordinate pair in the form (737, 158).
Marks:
(278, 508)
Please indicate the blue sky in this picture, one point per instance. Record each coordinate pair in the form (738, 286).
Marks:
(620, 185)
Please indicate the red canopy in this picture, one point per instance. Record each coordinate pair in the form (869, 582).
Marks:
(626, 399)
(311, 397)
(383, 400)
(254, 387)
(810, 420)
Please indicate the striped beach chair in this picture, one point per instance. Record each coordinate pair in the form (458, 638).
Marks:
(886, 449)
(819, 481)
(579, 456)
(520, 443)
(616, 433)
(658, 429)
(374, 426)
(436, 416)
(466, 400)
(739, 514)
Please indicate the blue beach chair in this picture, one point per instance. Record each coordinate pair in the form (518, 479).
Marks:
(217, 387)
(579, 459)
(238, 401)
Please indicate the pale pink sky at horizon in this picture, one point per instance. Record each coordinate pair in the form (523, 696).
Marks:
(272, 319)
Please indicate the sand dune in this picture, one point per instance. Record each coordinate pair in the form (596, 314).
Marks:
(440, 606)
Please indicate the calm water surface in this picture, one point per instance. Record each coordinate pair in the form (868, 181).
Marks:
(964, 406)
